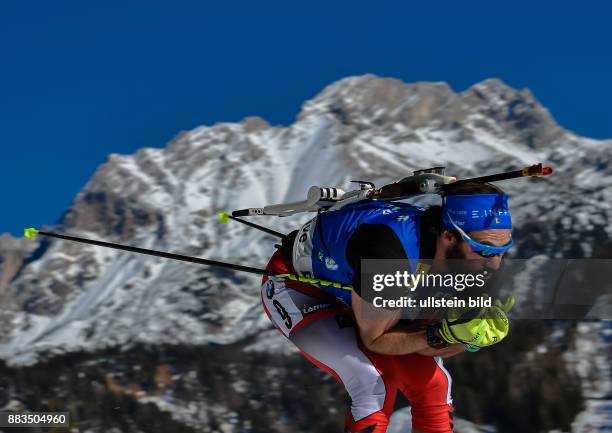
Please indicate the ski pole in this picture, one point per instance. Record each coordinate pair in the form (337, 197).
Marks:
(31, 232)
(534, 170)
(224, 217)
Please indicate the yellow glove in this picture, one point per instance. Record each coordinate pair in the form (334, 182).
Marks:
(506, 306)
(478, 328)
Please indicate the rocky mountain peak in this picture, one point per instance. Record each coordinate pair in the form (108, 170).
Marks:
(371, 100)
(505, 111)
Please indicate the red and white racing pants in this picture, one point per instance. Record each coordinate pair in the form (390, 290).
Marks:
(324, 331)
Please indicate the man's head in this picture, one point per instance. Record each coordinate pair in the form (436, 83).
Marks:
(475, 226)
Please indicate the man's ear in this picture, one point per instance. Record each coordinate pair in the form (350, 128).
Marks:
(448, 237)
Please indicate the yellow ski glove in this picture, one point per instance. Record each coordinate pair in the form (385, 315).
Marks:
(478, 328)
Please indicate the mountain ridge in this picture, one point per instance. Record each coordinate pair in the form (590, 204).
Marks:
(167, 199)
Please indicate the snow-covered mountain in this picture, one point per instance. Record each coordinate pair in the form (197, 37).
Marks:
(66, 297)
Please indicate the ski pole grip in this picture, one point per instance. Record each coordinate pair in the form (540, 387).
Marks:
(248, 212)
(240, 213)
(537, 170)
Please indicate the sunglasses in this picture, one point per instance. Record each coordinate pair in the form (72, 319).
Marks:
(483, 250)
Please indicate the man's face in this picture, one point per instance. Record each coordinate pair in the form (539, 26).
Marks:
(460, 249)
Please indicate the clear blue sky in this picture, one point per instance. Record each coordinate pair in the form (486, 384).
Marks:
(80, 80)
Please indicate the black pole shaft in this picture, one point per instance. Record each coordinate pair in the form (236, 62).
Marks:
(491, 178)
(258, 227)
(162, 254)
(534, 170)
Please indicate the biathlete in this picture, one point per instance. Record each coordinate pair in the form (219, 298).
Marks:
(374, 359)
